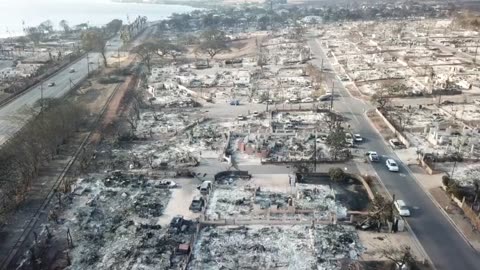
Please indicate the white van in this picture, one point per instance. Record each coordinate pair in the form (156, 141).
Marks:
(205, 187)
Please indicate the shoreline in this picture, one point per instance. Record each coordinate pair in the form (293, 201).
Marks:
(194, 4)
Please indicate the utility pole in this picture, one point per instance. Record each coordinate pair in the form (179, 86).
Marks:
(475, 58)
(331, 98)
(453, 169)
(315, 152)
(41, 97)
(321, 73)
(88, 65)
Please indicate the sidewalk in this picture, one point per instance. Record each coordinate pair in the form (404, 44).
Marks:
(431, 185)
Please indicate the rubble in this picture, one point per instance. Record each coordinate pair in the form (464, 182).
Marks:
(111, 216)
(283, 247)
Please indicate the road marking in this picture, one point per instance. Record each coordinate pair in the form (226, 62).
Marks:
(402, 175)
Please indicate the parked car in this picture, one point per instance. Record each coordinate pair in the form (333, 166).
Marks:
(447, 102)
(392, 165)
(167, 184)
(394, 143)
(357, 137)
(307, 100)
(51, 84)
(205, 187)
(292, 100)
(325, 97)
(241, 118)
(402, 208)
(373, 156)
(197, 204)
(255, 114)
(176, 222)
(349, 139)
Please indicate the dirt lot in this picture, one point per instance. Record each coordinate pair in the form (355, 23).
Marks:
(380, 125)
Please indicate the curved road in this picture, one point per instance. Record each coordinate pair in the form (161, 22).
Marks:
(443, 244)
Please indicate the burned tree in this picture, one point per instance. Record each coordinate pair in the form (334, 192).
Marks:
(146, 51)
(95, 40)
(337, 141)
(402, 258)
(381, 99)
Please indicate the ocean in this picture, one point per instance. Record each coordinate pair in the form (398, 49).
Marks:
(16, 14)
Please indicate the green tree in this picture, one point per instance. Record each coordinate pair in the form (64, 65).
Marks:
(213, 41)
(94, 40)
(34, 34)
(337, 174)
(64, 25)
(114, 26)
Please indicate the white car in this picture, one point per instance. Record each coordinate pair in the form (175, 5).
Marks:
(357, 137)
(373, 156)
(325, 97)
(402, 208)
(307, 100)
(167, 184)
(391, 165)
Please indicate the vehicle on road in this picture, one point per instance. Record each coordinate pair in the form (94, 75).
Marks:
(72, 70)
(394, 143)
(392, 165)
(373, 156)
(51, 84)
(401, 208)
(357, 137)
(235, 102)
(242, 118)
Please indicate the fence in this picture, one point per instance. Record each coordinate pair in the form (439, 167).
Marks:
(468, 211)
(397, 133)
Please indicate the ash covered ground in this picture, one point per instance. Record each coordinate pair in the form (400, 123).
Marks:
(275, 247)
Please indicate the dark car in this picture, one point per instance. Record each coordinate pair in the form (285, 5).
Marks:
(197, 204)
(176, 222)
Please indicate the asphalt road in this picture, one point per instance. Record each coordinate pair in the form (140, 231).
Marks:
(10, 122)
(444, 245)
